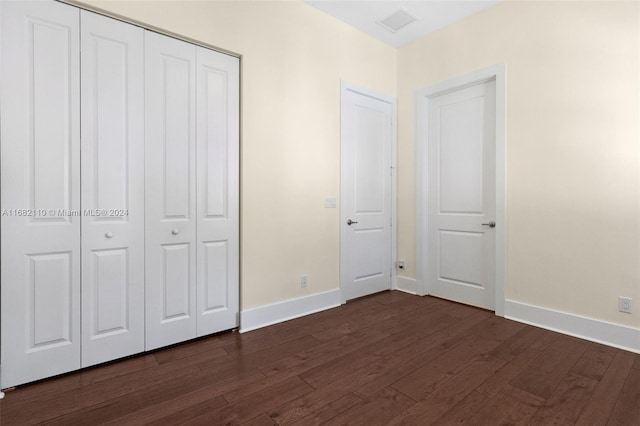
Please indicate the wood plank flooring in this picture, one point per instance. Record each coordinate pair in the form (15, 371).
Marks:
(387, 359)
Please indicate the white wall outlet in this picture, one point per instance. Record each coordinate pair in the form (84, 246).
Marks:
(303, 280)
(624, 304)
(400, 264)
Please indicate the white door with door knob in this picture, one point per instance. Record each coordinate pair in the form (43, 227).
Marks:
(461, 195)
(366, 188)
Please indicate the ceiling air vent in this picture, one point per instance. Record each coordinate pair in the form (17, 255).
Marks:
(397, 21)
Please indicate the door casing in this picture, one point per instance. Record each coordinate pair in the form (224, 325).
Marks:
(422, 99)
(344, 215)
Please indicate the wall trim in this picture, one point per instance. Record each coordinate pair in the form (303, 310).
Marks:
(273, 313)
(607, 333)
(407, 285)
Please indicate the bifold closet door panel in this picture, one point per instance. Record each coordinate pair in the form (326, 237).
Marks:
(170, 172)
(218, 188)
(40, 174)
(112, 159)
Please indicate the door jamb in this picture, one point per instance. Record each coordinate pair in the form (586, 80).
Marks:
(422, 96)
(344, 88)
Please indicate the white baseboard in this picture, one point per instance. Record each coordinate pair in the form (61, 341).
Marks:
(262, 316)
(408, 285)
(616, 335)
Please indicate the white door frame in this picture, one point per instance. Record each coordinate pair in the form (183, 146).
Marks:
(344, 88)
(423, 97)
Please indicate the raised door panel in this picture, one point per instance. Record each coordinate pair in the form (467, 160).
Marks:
(460, 258)
(107, 313)
(177, 144)
(369, 254)
(40, 191)
(218, 200)
(170, 172)
(369, 170)
(460, 149)
(215, 295)
(112, 189)
(176, 276)
(48, 302)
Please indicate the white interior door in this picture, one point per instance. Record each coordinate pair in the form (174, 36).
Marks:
(170, 197)
(461, 195)
(40, 175)
(112, 91)
(366, 175)
(218, 107)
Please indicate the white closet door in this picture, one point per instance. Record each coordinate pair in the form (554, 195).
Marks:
(112, 91)
(170, 172)
(40, 175)
(218, 223)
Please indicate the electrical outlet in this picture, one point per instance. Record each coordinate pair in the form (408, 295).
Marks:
(303, 280)
(624, 304)
(400, 264)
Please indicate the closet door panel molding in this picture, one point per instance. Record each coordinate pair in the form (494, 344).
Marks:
(170, 167)
(218, 188)
(112, 189)
(40, 153)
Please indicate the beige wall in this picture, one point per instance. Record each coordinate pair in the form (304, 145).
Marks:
(293, 58)
(573, 206)
(573, 85)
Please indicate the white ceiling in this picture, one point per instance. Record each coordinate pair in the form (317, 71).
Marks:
(431, 14)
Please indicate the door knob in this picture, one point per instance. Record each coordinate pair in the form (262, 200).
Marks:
(109, 234)
(349, 221)
(175, 231)
(491, 224)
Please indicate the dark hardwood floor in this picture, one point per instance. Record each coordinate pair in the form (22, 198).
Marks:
(391, 358)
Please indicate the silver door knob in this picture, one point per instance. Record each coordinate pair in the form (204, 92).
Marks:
(349, 222)
(175, 231)
(109, 234)
(491, 224)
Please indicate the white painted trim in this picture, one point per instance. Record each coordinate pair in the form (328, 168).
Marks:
(394, 198)
(407, 285)
(273, 313)
(422, 96)
(607, 333)
(344, 87)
